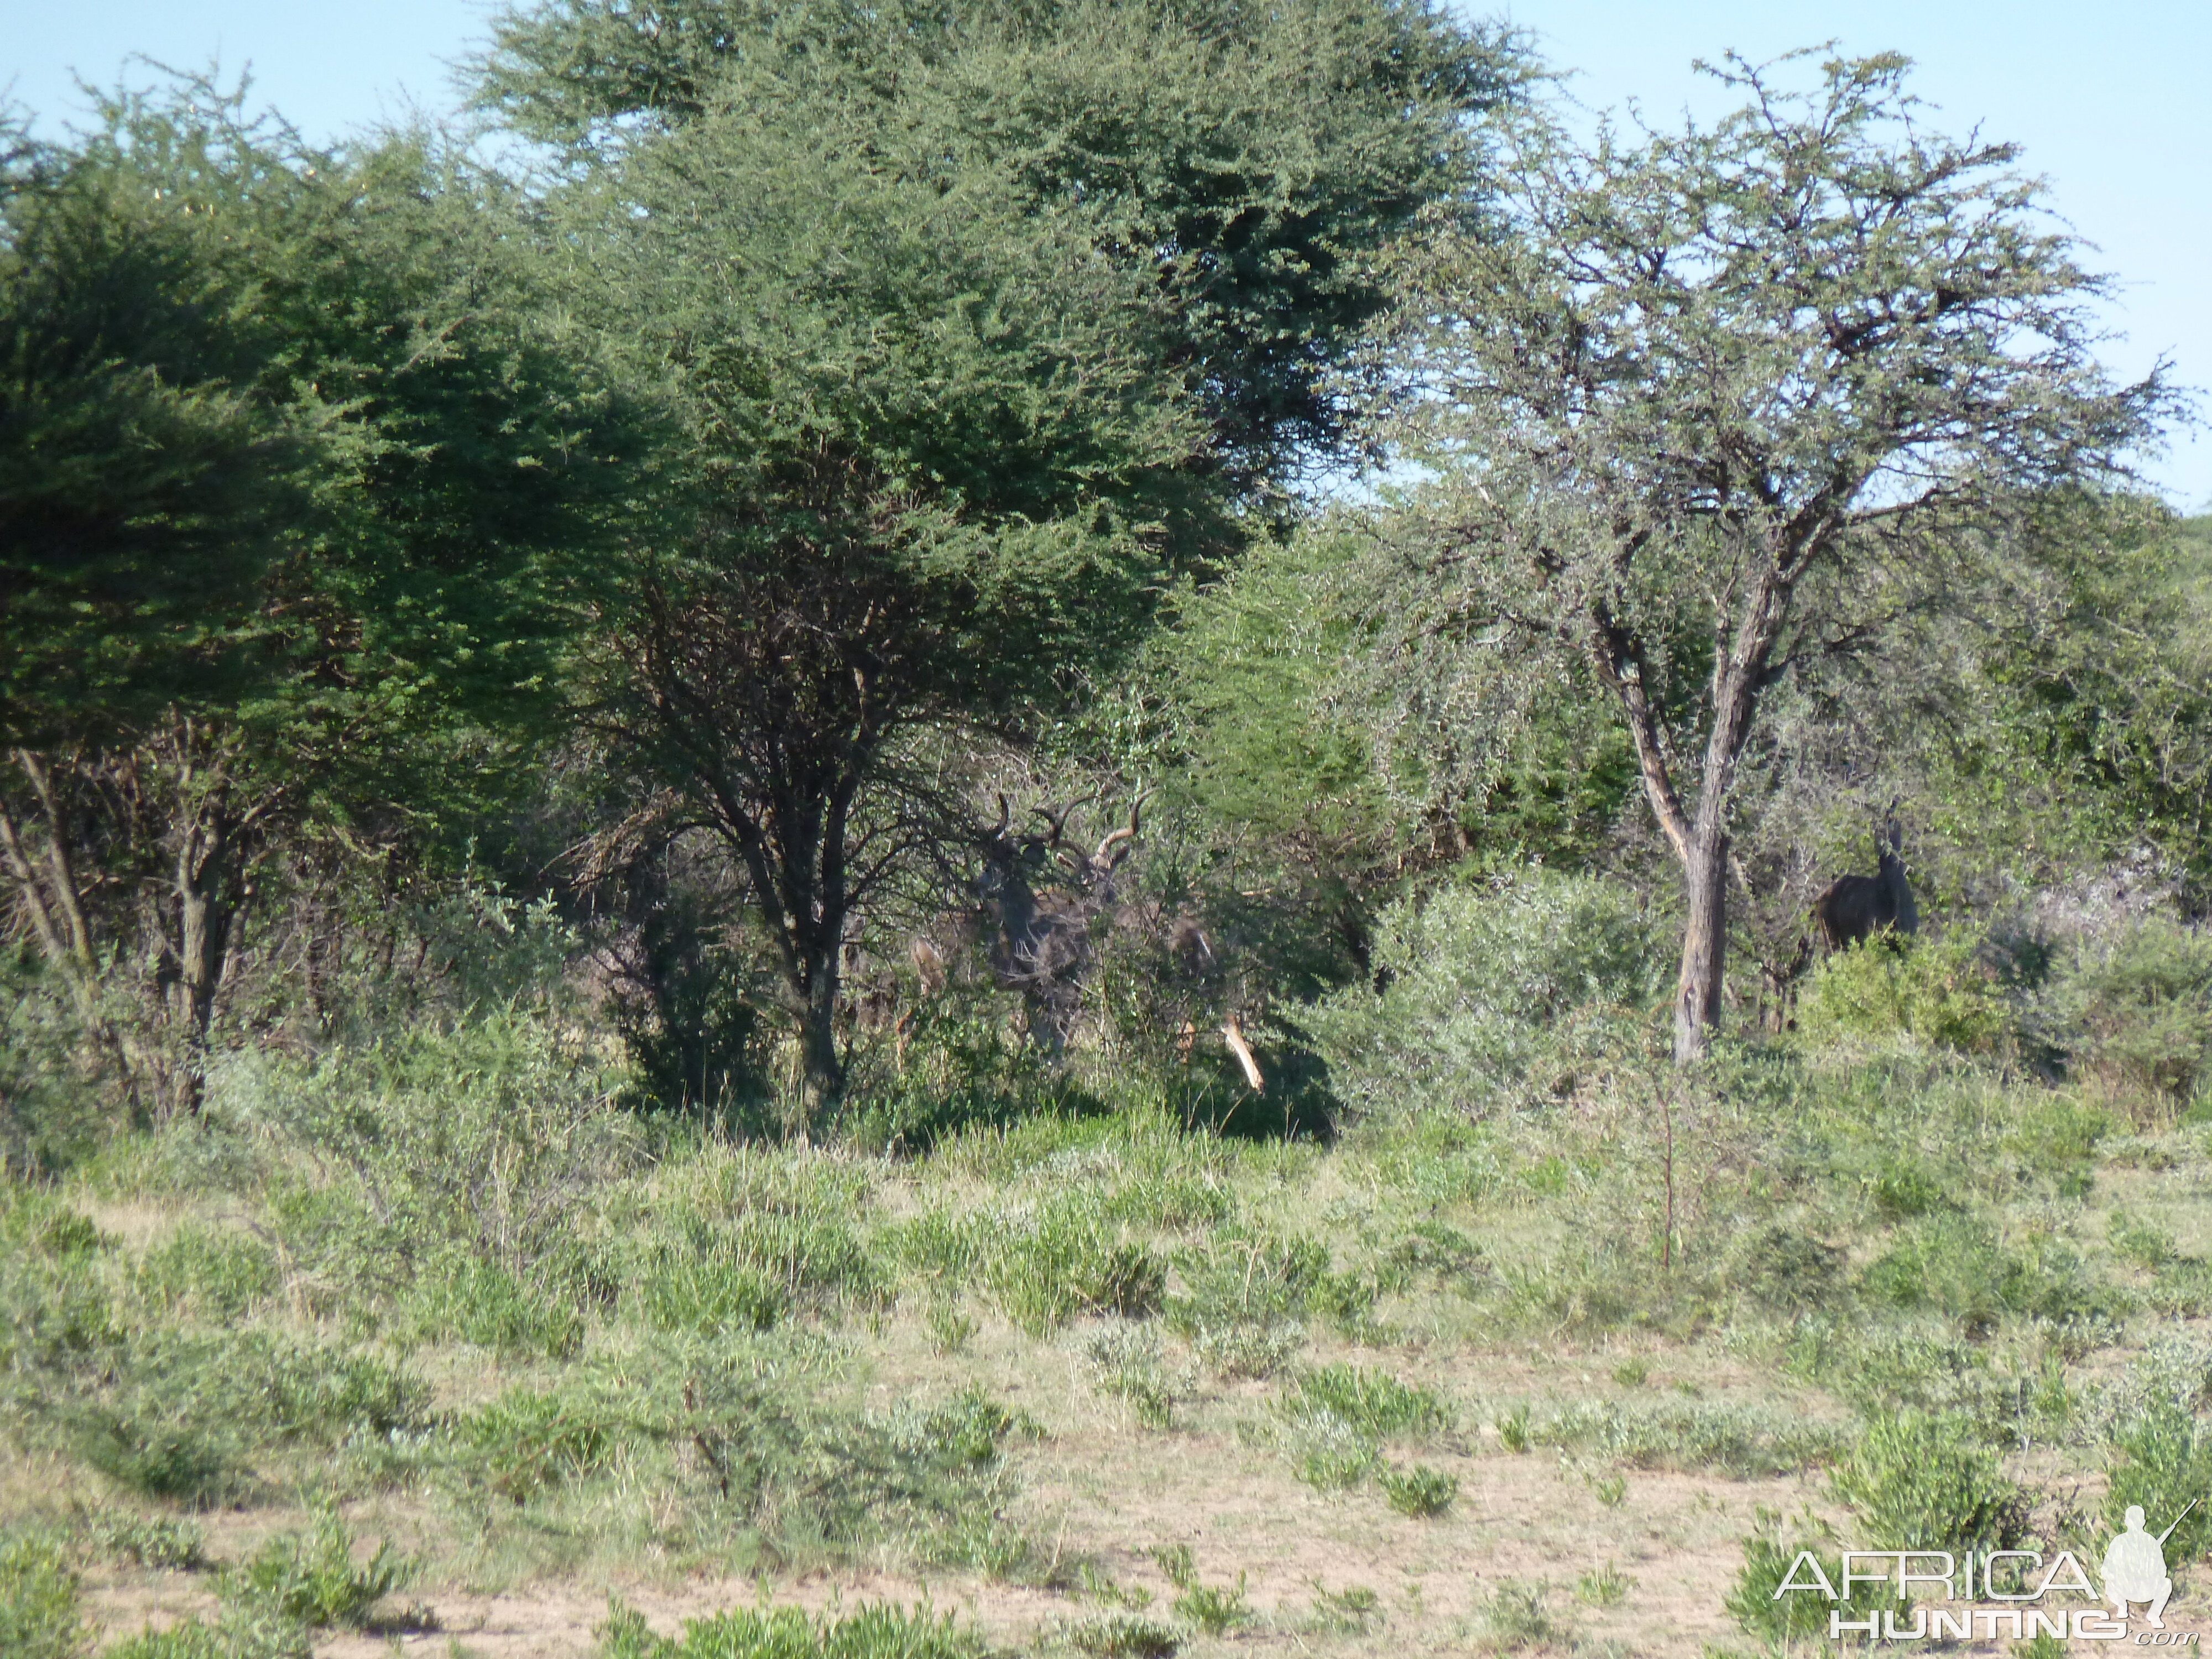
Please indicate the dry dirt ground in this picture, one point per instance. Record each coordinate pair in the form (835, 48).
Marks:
(1100, 1493)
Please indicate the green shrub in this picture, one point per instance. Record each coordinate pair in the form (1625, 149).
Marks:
(1517, 1618)
(1372, 1403)
(2160, 1459)
(1124, 1635)
(870, 1631)
(145, 1452)
(1420, 1491)
(1236, 1276)
(1128, 1361)
(241, 1633)
(1902, 1188)
(458, 1296)
(1796, 1615)
(739, 1240)
(1936, 990)
(1928, 1482)
(1439, 1160)
(970, 1428)
(1331, 1456)
(950, 1326)
(56, 1315)
(2139, 1243)
(1214, 1608)
(1064, 1260)
(295, 1389)
(463, 1152)
(164, 1542)
(38, 1221)
(526, 1441)
(744, 1462)
(1347, 1612)
(314, 1580)
(1042, 1265)
(54, 1110)
(1433, 1248)
(1954, 1264)
(1335, 1419)
(959, 1074)
(38, 1602)
(1603, 1587)
(1786, 1269)
(708, 1294)
(217, 1275)
(182, 1415)
(2054, 1131)
(1882, 1368)
(2173, 1372)
(2135, 1011)
(1498, 996)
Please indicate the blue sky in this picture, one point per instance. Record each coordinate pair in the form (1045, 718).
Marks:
(2113, 102)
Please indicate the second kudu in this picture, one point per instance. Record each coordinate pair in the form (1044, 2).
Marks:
(1854, 908)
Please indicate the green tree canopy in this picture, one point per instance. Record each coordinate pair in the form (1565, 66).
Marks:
(1249, 162)
(296, 499)
(936, 454)
(1694, 400)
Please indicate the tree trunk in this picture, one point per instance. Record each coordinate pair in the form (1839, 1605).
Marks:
(795, 854)
(49, 893)
(1704, 943)
(203, 878)
(822, 1083)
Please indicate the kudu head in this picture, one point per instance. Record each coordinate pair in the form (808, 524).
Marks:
(1093, 872)
(1041, 936)
(1889, 846)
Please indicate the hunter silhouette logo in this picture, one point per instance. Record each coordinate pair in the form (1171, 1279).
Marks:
(2133, 1568)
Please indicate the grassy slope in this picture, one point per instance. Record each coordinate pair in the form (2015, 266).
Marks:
(459, 1300)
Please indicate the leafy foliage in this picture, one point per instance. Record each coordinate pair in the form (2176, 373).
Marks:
(873, 1631)
(1939, 991)
(39, 1617)
(1917, 1483)
(1492, 996)
(1246, 163)
(1679, 369)
(315, 1580)
(2137, 1008)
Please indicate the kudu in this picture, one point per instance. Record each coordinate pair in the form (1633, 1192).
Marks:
(1040, 941)
(1853, 907)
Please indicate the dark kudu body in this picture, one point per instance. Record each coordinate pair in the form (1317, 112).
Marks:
(1854, 908)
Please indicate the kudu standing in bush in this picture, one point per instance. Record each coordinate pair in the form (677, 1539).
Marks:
(1040, 941)
(1854, 908)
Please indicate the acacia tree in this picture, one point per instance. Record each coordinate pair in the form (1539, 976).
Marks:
(287, 485)
(927, 457)
(1248, 163)
(1698, 402)
(975, 324)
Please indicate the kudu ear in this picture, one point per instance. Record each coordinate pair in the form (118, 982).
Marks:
(1892, 833)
